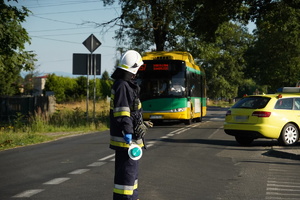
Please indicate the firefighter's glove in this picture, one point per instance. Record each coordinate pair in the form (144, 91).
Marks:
(128, 138)
(140, 130)
(148, 124)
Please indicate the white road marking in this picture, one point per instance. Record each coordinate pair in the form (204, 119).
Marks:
(214, 132)
(107, 157)
(178, 130)
(186, 129)
(149, 145)
(283, 182)
(56, 181)
(79, 171)
(284, 186)
(283, 194)
(96, 164)
(164, 137)
(28, 193)
(282, 189)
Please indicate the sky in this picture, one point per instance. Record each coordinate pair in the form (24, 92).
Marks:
(59, 27)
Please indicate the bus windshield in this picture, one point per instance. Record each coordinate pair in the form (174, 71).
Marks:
(162, 79)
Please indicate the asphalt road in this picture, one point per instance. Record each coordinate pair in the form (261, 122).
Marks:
(193, 162)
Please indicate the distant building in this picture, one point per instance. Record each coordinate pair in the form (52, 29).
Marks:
(39, 85)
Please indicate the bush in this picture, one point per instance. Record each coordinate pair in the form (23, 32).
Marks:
(68, 119)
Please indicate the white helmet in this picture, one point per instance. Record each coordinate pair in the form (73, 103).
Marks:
(131, 61)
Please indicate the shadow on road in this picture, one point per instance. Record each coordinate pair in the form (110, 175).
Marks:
(233, 145)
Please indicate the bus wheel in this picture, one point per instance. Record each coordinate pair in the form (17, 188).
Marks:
(198, 119)
(188, 121)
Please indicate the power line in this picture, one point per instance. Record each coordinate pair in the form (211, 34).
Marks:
(54, 20)
(60, 29)
(62, 4)
(57, 40)
(82, 26)
(74, 11)
(63, 34)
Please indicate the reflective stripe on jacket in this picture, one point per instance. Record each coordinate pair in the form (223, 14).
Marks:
(120, 142)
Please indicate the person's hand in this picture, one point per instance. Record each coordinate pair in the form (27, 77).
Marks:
(148, 124)
(128, 138)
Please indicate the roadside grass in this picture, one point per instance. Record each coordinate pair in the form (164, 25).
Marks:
(220, 103)
(68, 119)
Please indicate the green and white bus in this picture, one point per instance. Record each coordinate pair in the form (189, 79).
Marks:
(173, 87)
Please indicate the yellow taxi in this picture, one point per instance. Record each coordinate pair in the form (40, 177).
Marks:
(274, 116)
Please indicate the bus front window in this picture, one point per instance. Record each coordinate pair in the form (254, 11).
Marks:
(177, 87)
(161, 86)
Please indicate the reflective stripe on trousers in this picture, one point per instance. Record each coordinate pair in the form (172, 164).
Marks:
(126, 189)
(126, 177)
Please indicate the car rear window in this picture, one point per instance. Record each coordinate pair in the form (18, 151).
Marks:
(252, 102)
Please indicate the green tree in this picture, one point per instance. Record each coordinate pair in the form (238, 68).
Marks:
(63, 87)
(28, 83)
(105, 76)
(194, 26)
(274, 60)
(13, 37)
(162, 24)
(224, 60)
(249, 87)
(207, 15)
(80, 88)
(106, 83)
(147, 23)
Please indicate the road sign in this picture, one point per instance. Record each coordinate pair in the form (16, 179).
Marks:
(91, 43)
(86, 64)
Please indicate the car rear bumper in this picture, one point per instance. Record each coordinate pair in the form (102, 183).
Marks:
(252, 134)
(252, 130)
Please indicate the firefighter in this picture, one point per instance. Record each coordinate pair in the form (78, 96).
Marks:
(126, 125)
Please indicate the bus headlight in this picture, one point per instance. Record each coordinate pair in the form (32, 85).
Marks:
(178, 110)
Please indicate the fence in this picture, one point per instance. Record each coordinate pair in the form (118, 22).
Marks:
(11, 106)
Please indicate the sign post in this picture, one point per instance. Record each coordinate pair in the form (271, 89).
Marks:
(91, 43)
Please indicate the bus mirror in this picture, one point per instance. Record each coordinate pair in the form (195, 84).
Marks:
(190, 92)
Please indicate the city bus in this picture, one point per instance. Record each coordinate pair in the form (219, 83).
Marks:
(172, 86)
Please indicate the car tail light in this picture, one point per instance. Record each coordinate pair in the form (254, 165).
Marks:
(261, 114)
(228, 112)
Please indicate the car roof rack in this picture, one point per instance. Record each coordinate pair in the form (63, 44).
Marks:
(289, 90)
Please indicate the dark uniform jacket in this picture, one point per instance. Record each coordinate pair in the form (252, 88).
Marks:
(124, 107)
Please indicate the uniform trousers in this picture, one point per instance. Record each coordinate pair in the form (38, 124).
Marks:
(126, 177)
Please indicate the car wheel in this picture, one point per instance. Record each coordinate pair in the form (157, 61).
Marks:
(244, 140)
(289, 135)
